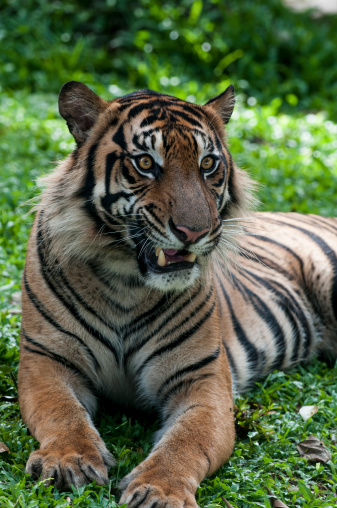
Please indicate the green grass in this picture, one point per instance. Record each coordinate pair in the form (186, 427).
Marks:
(294, 158)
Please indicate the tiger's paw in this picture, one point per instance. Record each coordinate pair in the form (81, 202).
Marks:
(156, 489)
(70, 465)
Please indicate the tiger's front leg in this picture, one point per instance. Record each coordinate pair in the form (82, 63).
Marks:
(55, 405)
(196, 439)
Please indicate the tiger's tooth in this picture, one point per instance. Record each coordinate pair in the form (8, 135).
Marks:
(157, 251)
(190, 257)
(161, 258)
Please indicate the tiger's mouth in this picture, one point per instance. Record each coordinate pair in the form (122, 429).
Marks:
(168, 260)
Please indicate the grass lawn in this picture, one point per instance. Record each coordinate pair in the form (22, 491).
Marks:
(295, 160)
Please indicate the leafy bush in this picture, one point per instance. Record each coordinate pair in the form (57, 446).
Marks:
(263, 47)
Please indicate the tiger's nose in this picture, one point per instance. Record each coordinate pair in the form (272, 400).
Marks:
(187, 235)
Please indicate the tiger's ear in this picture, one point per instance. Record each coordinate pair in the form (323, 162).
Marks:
(224, 103)
(80, 107)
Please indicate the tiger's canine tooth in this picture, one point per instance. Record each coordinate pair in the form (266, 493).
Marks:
(157, 251)
(190, 257)
(161, 258)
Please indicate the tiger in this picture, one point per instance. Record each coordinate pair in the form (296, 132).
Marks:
(151, 281)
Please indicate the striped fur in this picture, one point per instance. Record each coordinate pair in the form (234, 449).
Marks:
(100, 317)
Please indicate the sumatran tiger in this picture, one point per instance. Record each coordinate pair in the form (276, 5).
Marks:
(148, 281)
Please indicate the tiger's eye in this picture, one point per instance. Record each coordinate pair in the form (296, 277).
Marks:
(207, 162)
(145, 162)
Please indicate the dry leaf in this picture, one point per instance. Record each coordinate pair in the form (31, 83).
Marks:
(276, 503)
(226, 503)
(3, 448)
(313, 449)
(307, 411)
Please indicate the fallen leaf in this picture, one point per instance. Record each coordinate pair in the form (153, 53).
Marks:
(3, 448)
(313, 449)
(276, 503)
(307, 411)
(226, 503)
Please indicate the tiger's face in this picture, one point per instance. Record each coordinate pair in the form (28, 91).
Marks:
(158, 178)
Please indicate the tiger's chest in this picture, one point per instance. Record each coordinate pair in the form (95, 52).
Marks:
(126, 324)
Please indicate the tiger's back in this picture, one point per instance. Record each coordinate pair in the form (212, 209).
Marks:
(280, 299)
(148, 281)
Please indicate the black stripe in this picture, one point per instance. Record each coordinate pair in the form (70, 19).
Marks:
(219, 226)
(137, 346)
(312, 220)
(119, 138)
(190, 368)
(68, 305)
(86, 191)
(205, 454)
(149, 316)
(138, 108)
(269, 263)
(265, 313)
(230, 360)
(290, 306)
(150, 119)
(290, 251)
(141, 500)
(179, 340)
(42, 310)
(136, 142)
(165, 103)
(59, 276)
(251, 351)
(127, 174)
(186, 384)
(58, 358)
(112, 303)
(220, 182)
(111, 159)
(89, 184)
(168, 318)
(153, 228)
(188, 118)
(194, 110)
(190, 408)
(329, 253)
(232, 191)
(111, 199)
(149, 208)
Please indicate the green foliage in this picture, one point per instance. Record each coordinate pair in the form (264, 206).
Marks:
(293, 157)
(265, 49)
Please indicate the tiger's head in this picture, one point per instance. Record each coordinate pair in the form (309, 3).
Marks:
(148, 186)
